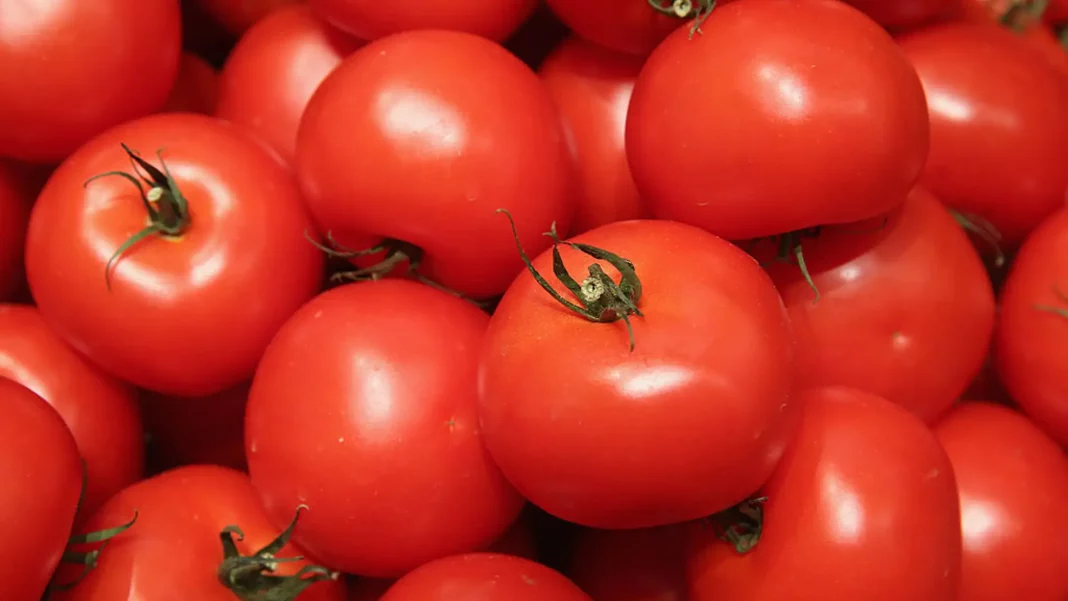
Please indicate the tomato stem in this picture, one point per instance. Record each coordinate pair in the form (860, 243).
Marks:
(88, 559)
(1062, 36)
(741, 525)
(698, 10)
(790, 248)
(1022, 14)
(1061, 311)
(984, 230)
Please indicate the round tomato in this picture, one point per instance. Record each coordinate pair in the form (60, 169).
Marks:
(630, 26)
(42, 477)
(237, 17)
(446, 128)
(100, 411)
(647, 564)
(196, 88)
(591, 86)
(824, 121)
(484, 577)
(1033, 326)
(15, 201)
(73, 69)
(862, 506)
(606, 435)
(370, 19)
(1013, 481)
(187, 312)
(273, 72)
(392, 367)
(202, 430)
(906, 14)
(174, 547)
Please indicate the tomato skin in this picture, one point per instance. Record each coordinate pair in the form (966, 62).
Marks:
(43, 50)
(647, 564)
(15, 201)
(196, 89)
(238, 247)
(631, 26)
(438, 155)
(392, 366)
(484, 577)
(749, 140)
(273, 71)
(202, 430)
(370, 20)
(41, 458)
(905, 14)
(591, 86)
(564, 396)
(238, 17)
(1013, 481)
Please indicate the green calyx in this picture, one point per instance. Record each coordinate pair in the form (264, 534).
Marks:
(698, 10)
(741, 525)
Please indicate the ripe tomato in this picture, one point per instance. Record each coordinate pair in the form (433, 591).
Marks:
(906, 14)
(591, 86)
(42, 477)
(273, 72)
(15, 201)
(484, 577)
(196, 89)
(1045, 41)
(748, 140)
(202, 430)
(1013, 481)
(100, 411)
(186, 314)
(370, 19)
(1056, 12)
(630, 26)
(392, 368)
(239, 16)
(862, 506)
(606, 437)
(79, 68)
(438, 154)
(647, 564)
(1033, 326)
(181, 514)
(995, 152)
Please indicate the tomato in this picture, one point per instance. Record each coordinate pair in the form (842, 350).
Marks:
(41, 459)
(173, 550)
(239, 16)
(186, 314)
(1013, 481)
(100, 411)
(446, 127)
(647, 564)
(187, 431)
(604, 436)
(369, 19)
(749, 140)
(79, 68)
(273, 72)
(15, 201)
(905, 14)
(1057, 12)
(591, 86)
(995, 152)
(392, 368)
(630, 26)
(1033, 325)
(484, 577)
(1045, 41)
(862, 506)
(196, 88)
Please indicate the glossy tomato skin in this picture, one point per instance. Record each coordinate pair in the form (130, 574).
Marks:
(241, 268)
(647, 564)
(392, 368)
(629, 26)
(15, 201)
(484, 577)
(173, 551)
(859, 481)
(370, 20)
(42, 473)
(1013, 480)
(100, 410)
(200, 430)
(237, 17)
(273, 71)
(196, 89)
(69, 88)
(591, 86)
(604, 437)
(447, 128)
(906, 14)
(822, 122)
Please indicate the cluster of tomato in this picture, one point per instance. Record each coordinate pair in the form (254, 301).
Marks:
(496, 300)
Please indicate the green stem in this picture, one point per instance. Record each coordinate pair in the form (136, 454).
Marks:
(698, 10)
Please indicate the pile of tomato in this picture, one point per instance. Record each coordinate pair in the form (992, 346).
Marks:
(511, 300)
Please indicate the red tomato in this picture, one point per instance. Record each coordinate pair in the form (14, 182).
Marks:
(446, 127)
(273, 72)
(196, 89)
(995, 152)
(1045, 41)
(602, 436)
(484, 577)
(42, 477)
(630, 26)
(748, 140)
(100, 411)
(15, 201)
(203, 430)
(1057, 12)
(181, 514)
(392, 368)
(591, 87)
(239, 15)
(186, 314)
(1033, 326)
(79, 68)
(647, 564)
(1013, 481)
(370, 19)
(905, 14)
(862, 506)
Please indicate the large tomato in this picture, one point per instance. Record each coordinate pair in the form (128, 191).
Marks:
(100, 411)
(995, 152)
(273, 72)
(1033, 326)
(1013, 482)
(71, 69)
(389, 456)
(608, 436)
(188, 431)
(906, 14)
(173, 551)
(823, 121)
(371, 19)
(185, 313)
(238, 16)
(15, 201)
(42, 477)
(647, 564)
(484, 577)
(420, 137)
(862, 506)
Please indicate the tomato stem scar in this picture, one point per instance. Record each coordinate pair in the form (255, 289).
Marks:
(698, 10)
